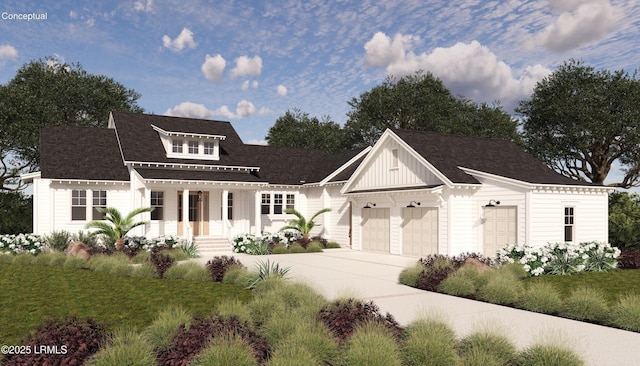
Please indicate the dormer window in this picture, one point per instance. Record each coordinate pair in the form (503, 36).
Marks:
(176, 146)
(193, 147)
(209, 148)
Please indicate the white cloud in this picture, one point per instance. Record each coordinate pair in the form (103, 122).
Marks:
(255, 84)
(73, 14)
(246, 84)
(282, 90)
(469, 69)
(243, 109)
(182, 41)
(247, 66)
(144, 6)
(190, 110)
(213, 67)
(8, 52)
(257, 142)
(580, 24)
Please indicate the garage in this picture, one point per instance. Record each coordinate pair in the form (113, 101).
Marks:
(375, 229)
(500, 228)
(419, 231)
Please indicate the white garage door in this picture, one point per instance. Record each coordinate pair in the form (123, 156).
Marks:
(419, 231)
(500, 228)
(375, 229)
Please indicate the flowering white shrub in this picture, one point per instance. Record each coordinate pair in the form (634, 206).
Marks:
(561, 258)
(22, 243)
(259, 245)
(150, 245)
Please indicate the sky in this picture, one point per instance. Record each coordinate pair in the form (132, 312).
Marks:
(249, 62)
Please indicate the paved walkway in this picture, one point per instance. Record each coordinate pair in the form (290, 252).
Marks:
(370, 276)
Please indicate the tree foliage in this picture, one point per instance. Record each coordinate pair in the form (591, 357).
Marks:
(422, 102)
(45, 93)
(16, 212)
(298, 129)
(580, 121)
(624, 219)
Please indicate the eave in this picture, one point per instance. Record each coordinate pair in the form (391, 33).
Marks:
(188, 134)
(143, 164)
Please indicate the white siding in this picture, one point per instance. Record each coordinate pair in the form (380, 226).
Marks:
(379, 172)
(340, 216)
(461, 234)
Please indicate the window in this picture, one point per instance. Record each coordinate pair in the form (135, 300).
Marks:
(277, 203)
(99, 201)
(208, 148)
(291, 201)
(394, 158)
(230, 206)
(266, 204)
(176, 146)
(568, 224)
(193, 147)
(78, 204)
(157, 202)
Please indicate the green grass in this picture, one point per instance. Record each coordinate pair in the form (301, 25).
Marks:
(611, 284)
(29, 294)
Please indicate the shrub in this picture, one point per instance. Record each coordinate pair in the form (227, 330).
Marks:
(487, 346)
(314, 247)
(22, 243)
(540, 297)
(296, 248)
(233, 307)
(313, 337)
(256, 245)
(430, 343)
(219, 265)
(228, 349)
(140, 257)
(73, 262)
(341, 317)
(434, 273)
(540, 355)
(125, 348)
(78, 340)
(409, 276)
(333, 245)
(190, 341)
(626, 312)
(372, 344)
(189, 249)
(89, 238)
(23, 258)
(58, 240)
(161, 262)
(585, 303)
(629, 258)
(188, 271)
(501, 288)
(294, 355)
(236, 275)
(279, 249)
(457, 285)
(46, 258)
(145, 270)
(161, 331)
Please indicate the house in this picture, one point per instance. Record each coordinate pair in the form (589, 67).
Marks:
(412, 193)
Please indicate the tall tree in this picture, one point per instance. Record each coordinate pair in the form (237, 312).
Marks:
(422, 102)
(16, 213)
(580, 121)
(45, 93)
(298, 129)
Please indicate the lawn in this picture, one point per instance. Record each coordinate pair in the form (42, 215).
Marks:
(30, 294)
(612, 284)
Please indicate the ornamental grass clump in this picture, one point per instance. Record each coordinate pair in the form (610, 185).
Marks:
(58, 240)
(491, 347)
(266, 270)
(313, 337)
(409, 276)
(371, 344)
(457, 284)
(434, 272)
(625, 313)
(314, 247)
(502, 287)
(228, 349)
(429, 342)
(585, 303)
(540, 297)
(548, 354)
(161, 331)
(125, 347)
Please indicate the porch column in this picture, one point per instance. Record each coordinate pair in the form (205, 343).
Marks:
(225, 213)
(186, 230)
(257, 213)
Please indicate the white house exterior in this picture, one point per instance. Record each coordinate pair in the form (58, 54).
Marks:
(424, 193)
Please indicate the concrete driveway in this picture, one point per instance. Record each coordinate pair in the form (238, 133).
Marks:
(370, 276)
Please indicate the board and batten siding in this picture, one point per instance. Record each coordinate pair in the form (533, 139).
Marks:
(547, 216)
(339, 217)
(380, 173)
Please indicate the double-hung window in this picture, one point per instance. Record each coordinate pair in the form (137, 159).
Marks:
(266, 204)
(193, 147)
(230, 206)
(291, 201)
(157, 202)
(176, 146)
(569, 226)
(277, 203)
(99, 201)
(78, 204)
(209, 148)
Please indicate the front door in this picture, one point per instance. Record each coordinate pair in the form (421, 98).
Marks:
(198, 213)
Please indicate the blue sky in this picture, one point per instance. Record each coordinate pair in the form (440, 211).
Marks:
(249, 61)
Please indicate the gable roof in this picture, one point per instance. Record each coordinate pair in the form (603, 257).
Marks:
(71, 152)
(449, 153)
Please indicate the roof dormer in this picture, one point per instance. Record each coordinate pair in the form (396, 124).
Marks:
(187, 145)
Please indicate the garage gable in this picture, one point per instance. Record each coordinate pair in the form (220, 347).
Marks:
(392, 164)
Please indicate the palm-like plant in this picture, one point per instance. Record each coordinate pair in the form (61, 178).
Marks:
(301, 224)
(115, 225)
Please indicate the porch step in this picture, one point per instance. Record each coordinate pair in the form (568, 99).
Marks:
(208, 245)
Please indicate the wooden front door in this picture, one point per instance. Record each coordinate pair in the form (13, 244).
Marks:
(198, 213)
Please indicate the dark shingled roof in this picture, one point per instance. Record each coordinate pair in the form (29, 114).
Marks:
(500, 157)
(198, 175)
(71, 152)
